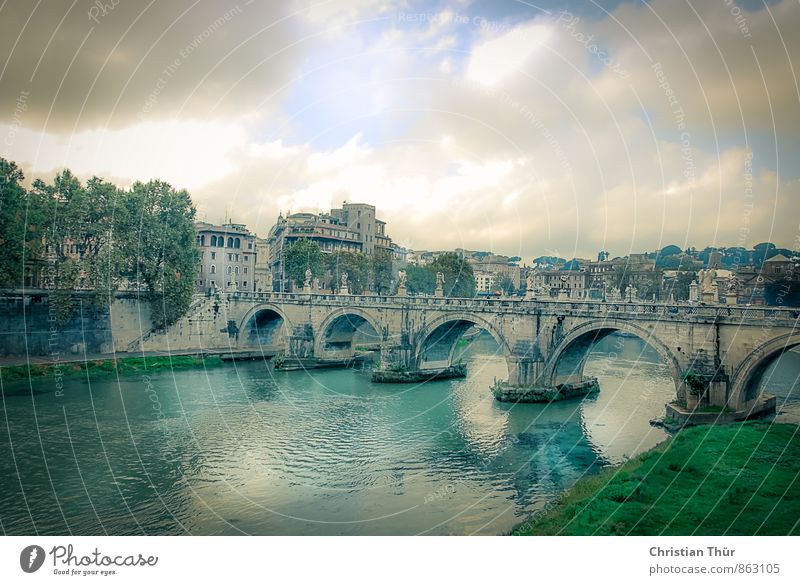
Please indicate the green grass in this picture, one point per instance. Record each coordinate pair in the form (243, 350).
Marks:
(107, 367)
(741, 479)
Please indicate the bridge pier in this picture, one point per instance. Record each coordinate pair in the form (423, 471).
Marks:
(398, 364)
(527, 381)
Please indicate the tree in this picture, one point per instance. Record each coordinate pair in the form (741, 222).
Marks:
(621, 277)
(763, 251)
(354, 264)
(20, 225)
(679, 287)
(459, 280)
(420, 280)
(159, 248)
(671, 250)
(302, 255)
(506, 284)
(381, 266)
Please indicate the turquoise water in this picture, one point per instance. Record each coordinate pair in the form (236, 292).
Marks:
(242, 449)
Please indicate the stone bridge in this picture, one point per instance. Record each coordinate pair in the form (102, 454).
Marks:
(545, 342)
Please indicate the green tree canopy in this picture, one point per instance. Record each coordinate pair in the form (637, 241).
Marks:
(355, 264)
(459, 280)
(420, 280)
(159, 247)
(20, 226)
(302, 255)
(506, 284)
(381, 267)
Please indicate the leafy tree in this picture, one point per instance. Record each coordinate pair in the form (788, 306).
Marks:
(420, 280)
(459, 280)
(679, 286)
(621, 277)
(159, 248)
(763, 251)
(671, 250)
(302, 255)
(20, 225)
(506, 284)
(381, 267)
(355, 264)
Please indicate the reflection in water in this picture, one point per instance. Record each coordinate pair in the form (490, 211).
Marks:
(243, 449)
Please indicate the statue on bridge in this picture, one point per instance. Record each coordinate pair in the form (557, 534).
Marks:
(343, 290)
(401, 283)
(439, 284)
(307, 281)
(530, 284)
(708, 277)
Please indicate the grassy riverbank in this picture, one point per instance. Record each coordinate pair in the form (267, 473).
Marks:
(741, 479)
(107, 367)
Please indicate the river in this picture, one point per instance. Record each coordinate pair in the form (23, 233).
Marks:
(242, 449)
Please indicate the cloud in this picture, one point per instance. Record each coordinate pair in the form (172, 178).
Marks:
(522, 136)
(139, 61)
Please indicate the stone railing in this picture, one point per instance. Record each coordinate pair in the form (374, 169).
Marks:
(648, 310)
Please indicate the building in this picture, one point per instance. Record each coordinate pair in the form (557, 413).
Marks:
(574, 282)
(484, 282)
(263, 276)
(495, 264)
(352, 228)
(228, 257)
(779, 272)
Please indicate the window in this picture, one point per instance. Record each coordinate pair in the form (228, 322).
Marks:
(213, 270)
(249, 245)
(245, 284)
(238, 243)
(230, 257)
(213, 241)
(237, 257)
(230, 242)
(202, 240)
(237, 270)
(229, 269)
(358, 225)
(213, 255)
(213, 283)
(245, 269)
(201, 269)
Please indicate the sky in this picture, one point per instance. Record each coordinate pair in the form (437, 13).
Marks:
(523, 128)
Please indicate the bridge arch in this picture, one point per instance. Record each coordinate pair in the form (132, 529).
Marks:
(264, 325)
(567, 360)
(747, 376)
(340, 327)
(440, 337)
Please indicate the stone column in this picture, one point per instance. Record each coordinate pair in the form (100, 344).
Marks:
(694, 292)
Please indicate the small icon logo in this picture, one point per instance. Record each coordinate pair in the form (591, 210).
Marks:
(31, 558)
